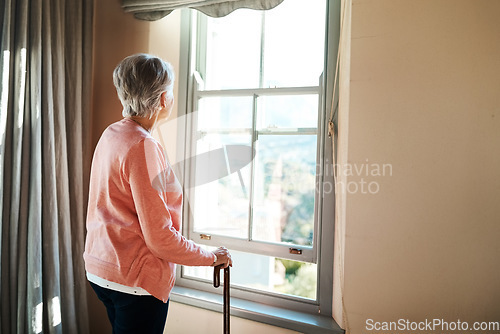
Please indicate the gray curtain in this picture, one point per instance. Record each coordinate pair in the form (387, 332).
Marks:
(152, 10)
(45, 66)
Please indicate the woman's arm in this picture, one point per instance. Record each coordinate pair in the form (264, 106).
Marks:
(157, 197)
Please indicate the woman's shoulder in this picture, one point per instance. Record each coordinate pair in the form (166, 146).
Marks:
(122, 136)
(127, 132)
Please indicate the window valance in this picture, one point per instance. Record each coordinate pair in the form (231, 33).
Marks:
(152, 10)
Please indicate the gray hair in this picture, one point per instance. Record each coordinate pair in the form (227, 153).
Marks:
(140, 80)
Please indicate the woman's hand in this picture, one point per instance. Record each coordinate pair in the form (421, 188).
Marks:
(223, 257)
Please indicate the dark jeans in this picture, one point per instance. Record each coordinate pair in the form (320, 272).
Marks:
(131, 314)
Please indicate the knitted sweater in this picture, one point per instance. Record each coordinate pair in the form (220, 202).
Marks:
(135, 212)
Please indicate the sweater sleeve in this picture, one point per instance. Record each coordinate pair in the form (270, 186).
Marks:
(157, 197)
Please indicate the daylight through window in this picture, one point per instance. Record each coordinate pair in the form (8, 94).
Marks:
(253, 187)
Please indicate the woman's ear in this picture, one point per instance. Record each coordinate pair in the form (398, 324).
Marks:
(166, 99)
(163, 99)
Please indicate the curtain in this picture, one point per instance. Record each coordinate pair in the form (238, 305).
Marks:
(45, 66)
(338, 101)
(152, 10)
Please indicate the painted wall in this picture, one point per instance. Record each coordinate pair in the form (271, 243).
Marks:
(180, 320)
(424, 98)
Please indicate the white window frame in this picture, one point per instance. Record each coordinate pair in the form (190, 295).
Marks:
(189, 92)
(281, 250)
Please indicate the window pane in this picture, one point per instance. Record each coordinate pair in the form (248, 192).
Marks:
(222, 179)
(265, 273)
(233, 50)
(300, 111)
(222, 166)
(284, 185)
(294, 43)
(225, 113)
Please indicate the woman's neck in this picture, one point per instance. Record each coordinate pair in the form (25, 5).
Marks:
(147, 123)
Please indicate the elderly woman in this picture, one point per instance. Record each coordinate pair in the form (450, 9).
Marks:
(135, 206)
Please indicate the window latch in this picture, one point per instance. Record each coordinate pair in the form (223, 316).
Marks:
(205, 236)
(295, 251)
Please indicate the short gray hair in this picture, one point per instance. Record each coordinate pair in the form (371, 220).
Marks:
(140, 80)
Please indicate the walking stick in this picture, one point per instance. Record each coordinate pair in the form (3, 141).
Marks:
(226, 293)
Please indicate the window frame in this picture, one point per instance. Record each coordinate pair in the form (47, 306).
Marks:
(305, 253)
(281, 250)
(325, 227)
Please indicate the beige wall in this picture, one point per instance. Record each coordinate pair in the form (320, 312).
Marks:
(116, 36)
(180, 320)
(425, 98)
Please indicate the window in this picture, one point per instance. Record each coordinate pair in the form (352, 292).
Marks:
(254, 152)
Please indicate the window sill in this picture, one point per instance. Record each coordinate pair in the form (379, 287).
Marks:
(298, 321)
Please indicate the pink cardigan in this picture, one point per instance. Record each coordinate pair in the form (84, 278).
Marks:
(135, 212)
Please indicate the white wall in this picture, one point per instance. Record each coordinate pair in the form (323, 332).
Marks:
(424, 97)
